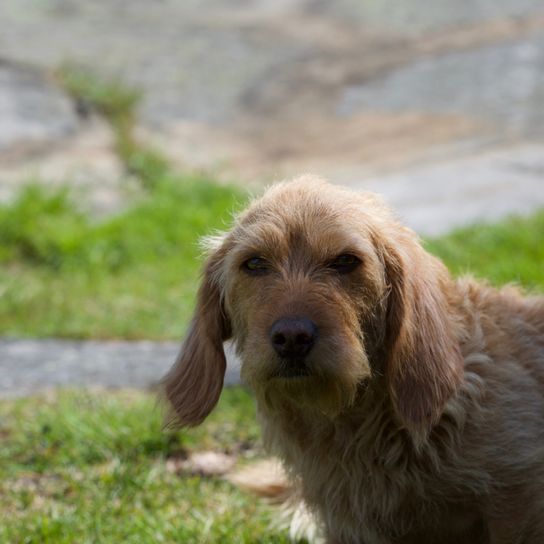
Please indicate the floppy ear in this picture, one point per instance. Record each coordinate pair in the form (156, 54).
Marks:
(194, 383)
(423, 361)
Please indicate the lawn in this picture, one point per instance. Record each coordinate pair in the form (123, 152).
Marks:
(82, 467)
(130, 276)
(510, 251)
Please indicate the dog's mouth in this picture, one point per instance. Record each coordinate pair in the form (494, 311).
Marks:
(292, 368)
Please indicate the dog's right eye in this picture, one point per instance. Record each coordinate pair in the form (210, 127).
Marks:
(345, 263)
(256, 266)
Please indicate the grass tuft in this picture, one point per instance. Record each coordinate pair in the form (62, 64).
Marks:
(509, 251)
(110, 98)
(93, 467)
(117, 103)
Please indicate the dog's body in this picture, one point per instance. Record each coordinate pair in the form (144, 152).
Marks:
(407, 407)
(477, 478)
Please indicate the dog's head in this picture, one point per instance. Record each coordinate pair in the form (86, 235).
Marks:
(321, 290)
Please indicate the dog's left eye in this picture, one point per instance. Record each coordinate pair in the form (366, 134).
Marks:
(343, 264)
(256, 266)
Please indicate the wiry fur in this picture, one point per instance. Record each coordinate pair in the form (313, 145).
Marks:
(423, 418)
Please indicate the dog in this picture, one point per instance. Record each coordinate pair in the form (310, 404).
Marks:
(406, 406)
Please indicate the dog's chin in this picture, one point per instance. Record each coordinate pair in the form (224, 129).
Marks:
(304, 390)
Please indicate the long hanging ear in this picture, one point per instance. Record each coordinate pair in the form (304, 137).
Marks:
(194, 383)
(423, 361)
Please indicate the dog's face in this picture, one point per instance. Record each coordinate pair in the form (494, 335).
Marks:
(312, 286)
(303, 286)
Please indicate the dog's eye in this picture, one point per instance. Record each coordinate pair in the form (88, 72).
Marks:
(343, 264)
(256, 266)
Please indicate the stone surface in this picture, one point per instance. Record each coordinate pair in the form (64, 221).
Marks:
(258, 88)
(27, 366)
(33, 110)
(500, 85)
(435, 199)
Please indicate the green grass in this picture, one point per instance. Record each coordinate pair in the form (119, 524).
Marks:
(111, 98)
(134, 275)
(510, 251)
(93, 467)
(130, 276)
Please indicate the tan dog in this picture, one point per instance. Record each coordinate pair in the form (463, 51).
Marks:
(406, 406)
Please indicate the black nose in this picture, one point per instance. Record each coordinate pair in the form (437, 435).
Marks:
(293, 337)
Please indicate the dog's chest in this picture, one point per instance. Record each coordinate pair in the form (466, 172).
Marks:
(378, 493)
(379, 506)
(350, 493)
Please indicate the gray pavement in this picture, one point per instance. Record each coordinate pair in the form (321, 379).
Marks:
(434, 199)
(32, 107)
(27, 366)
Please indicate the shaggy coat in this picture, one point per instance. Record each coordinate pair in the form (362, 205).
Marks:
(406, 406)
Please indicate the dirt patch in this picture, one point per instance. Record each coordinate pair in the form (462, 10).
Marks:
(370, 144)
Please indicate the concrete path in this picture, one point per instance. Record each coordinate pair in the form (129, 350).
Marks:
(27, 366)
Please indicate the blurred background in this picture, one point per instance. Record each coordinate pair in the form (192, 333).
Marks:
(128, 129)
(254, 91)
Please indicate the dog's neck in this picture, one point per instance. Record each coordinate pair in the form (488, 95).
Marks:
(367, 421)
